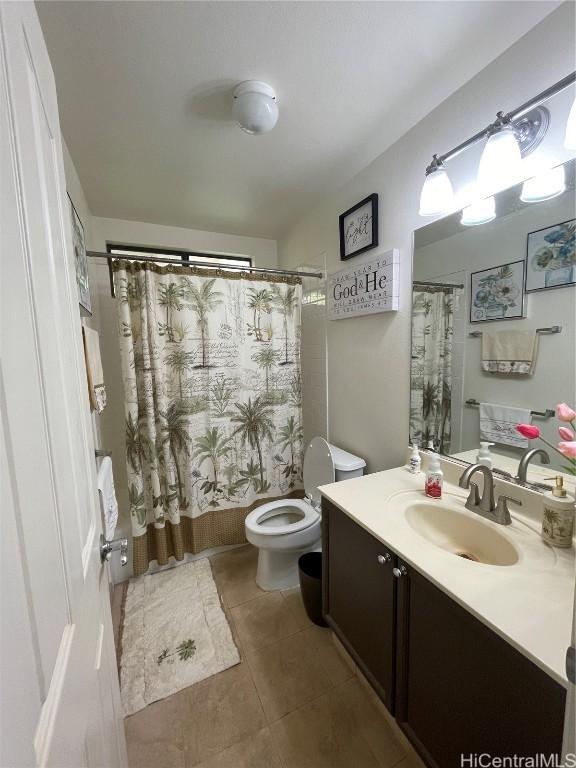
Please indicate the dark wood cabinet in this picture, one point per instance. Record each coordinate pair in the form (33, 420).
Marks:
(462, 689)
(454, 685)
(359, 597)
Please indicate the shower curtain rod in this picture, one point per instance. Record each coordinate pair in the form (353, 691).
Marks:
(437, 285)
(269, 271)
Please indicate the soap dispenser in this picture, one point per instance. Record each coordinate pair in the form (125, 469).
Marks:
(434, 478)
(483, 456)
(415, 460)
(558, 520)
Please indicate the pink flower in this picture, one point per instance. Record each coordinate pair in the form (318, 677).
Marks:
(565, 413)
(565, 433)
(568, 449)
(528, 430)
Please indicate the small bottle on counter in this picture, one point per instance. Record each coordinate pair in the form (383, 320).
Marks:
(434, 478)
(484, 456)
(558, 520)
(415, 460)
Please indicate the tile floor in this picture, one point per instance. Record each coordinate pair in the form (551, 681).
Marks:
(292, 702)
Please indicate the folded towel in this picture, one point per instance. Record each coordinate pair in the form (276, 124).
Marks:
(498, 424)
(96, 388)
(509, 352)
(107, 494)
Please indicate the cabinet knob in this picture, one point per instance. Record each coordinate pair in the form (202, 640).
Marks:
(399, 571)
(385, 558)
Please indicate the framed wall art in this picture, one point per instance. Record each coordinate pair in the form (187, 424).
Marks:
(81, 261)
(497, 293)
(551, 257)
(359, 228)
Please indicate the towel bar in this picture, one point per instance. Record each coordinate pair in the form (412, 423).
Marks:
(547, 414)
(550, 330)
(99, 453)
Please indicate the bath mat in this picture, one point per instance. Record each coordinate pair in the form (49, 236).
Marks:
(175, 634)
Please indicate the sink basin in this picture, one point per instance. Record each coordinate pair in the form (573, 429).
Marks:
(456, 532)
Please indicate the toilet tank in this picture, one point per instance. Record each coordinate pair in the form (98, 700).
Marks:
(346, 465)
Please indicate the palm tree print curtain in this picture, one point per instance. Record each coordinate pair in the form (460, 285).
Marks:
(431, 366)
(211, 371)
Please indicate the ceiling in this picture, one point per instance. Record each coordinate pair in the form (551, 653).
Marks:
(144, 91)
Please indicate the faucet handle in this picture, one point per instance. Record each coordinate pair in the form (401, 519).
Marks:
(473, 500)
(502, 510)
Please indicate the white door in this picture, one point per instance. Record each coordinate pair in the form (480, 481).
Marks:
(60, 703)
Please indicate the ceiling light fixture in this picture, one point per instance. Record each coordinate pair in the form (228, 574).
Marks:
(544, 186)
(437, 195)
(512, 136)
(254, 107)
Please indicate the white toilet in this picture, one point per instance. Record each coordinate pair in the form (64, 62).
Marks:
(284, 529)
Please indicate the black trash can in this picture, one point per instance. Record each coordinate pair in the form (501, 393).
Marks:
(310, 570)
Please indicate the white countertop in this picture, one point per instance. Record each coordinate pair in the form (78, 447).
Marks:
(529, 604)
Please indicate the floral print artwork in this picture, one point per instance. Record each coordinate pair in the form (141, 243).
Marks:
(497, 293)
(551, 259)
(431, 367)
(211, 371)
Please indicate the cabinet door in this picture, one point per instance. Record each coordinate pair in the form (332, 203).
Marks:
(462, 689)
(359, 597)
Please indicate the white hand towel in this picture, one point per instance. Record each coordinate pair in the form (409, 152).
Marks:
(96, 388)
(509, 352)
(498, 424)
(107, 494)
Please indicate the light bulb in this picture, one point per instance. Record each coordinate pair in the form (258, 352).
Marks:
(479, 212)
(437, 195)
(546, 185)
(501, 162)
(570, 139)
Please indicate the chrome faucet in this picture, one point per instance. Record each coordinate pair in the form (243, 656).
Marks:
(485, 505)
(525, 460)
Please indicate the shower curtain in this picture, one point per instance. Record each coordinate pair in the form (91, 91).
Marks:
(211, 372)
(431, 366)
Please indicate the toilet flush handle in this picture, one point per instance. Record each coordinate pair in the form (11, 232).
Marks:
(317, 505)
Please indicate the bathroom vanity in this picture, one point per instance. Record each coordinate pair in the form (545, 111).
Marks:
(467, 654)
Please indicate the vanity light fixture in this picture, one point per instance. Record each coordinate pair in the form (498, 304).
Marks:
(479, 212)
(437, 196)
(513, 135)
(501, 162)
(544, 186)
(570, 138)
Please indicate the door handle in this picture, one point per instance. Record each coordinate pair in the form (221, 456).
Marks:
(383, 559)
(107, 547)
(401, 570)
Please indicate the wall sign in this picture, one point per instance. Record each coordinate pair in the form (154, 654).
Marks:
(364, 289)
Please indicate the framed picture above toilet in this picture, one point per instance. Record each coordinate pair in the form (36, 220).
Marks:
(359, 228)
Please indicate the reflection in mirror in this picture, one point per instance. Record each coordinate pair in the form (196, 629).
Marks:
(494, 329)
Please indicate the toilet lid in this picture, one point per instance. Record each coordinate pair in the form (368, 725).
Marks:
(318, 467)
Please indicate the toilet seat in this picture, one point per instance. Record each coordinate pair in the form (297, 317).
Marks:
(307, 516)
(318, 470)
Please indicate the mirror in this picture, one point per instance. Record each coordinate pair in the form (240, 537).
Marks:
(516, 272)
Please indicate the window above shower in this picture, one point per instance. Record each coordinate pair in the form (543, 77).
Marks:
(209, 260)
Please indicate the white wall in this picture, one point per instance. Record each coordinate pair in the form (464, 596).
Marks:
(451, 259)
(109, 426)
(368, 357)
